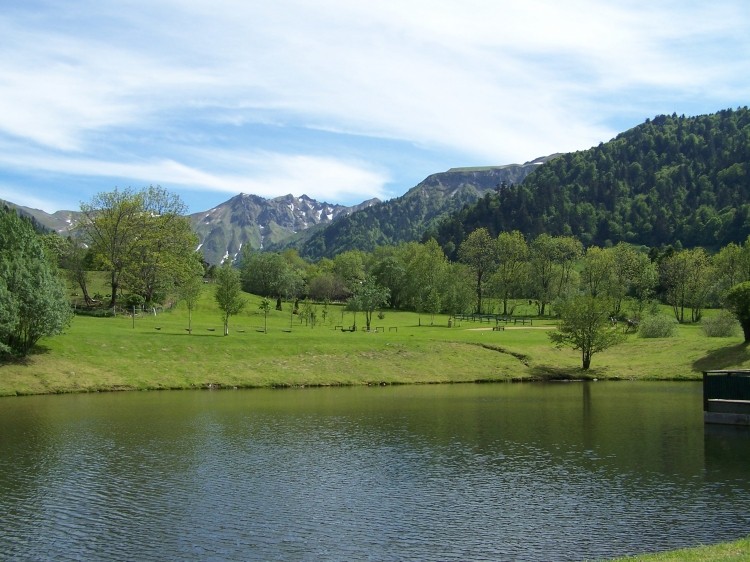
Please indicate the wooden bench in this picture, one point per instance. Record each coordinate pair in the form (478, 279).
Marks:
(498, 328)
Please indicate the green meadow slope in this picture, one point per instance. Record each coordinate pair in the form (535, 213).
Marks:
(157, 352)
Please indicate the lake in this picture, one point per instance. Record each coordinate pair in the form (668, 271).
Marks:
(558, 471)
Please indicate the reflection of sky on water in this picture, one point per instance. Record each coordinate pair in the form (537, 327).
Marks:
(508, 471)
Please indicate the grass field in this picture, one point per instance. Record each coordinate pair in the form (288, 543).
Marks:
(156, 352)
(737, 551)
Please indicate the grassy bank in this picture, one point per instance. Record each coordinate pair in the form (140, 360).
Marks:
(156, 352)
(737, 551)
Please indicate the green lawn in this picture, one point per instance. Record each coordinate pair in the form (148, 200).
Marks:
(156, 351)
(738, 551)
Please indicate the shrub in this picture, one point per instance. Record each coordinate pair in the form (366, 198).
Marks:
(723, 325)
(95, 312)
(657, 326)
(134, 301)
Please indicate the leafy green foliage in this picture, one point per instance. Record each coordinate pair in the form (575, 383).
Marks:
(670, 179)
(32, 296)
(190, 288)
(737, 301)
(406, 218)
(584, 325)
(228, 293)
(269, 274)
(140, 238)
(687, 277)
(657, 326)
(722, 325)
(369, 296)
(479, 252)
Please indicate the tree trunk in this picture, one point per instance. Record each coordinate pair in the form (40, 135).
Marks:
(479, 294)
(114, 286)
(746, 330)
(586, 361)
(85, 291)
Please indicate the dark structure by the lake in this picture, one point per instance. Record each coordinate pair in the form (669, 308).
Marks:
(564, 471)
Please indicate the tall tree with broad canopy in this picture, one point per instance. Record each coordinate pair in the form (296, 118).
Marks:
(110, 224)
(165, 252)
(228, 293)
(551, 261)
(732, 265)
(426, 270)
(479, 252)
(632, 273)
(584, 325)
(687, 276)
(141, 238)
(512, 268)
(32, 296)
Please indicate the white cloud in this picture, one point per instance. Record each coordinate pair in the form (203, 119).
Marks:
(492, 81)
(260, 173)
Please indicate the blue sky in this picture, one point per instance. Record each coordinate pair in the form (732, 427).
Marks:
(341, 100)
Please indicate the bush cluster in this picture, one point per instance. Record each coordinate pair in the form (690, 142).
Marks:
(657, 326)
(94, 312)
(723, 325)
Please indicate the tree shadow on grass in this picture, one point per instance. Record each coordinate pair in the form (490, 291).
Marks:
(552, 373)
(724, 358)
(24, 360)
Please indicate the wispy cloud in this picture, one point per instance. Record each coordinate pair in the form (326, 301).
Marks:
(261, 173)
(147, 90)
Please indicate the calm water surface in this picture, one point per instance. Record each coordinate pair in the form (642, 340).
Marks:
(464, 472)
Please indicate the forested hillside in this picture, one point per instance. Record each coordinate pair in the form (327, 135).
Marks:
(672, 180)
(405, 218)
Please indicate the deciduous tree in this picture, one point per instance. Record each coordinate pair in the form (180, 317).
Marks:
(32, 295)
(479, 252)
(737, 301)
(687, 277)
(141, 238)
(584, 325)
(228, 293)
(190, 288)
(368, 296)
(513, 258)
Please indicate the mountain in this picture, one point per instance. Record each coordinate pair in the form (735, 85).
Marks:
(250, 219)
(60, 221)
(672, 180)
(406, 218)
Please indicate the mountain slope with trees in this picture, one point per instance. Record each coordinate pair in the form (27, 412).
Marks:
(672, 180)
(405, 218)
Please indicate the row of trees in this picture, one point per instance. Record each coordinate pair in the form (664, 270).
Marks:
(412, 276)
(545, 270)
(144, 242)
